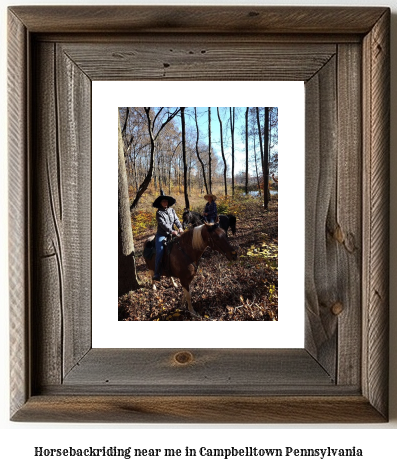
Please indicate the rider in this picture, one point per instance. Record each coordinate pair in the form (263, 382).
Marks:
(210, 211)
(166, 218)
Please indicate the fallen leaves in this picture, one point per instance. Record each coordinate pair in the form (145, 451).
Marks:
(246, 290)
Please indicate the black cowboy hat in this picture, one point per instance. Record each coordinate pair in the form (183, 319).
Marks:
(159, 199)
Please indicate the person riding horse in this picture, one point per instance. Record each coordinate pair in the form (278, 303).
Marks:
(210, 211)
(166, 219)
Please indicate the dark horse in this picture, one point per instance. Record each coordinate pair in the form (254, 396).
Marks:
(186, 252)
(195, 219)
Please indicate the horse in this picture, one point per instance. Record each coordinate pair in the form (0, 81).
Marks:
(196, 219)
(183, 258)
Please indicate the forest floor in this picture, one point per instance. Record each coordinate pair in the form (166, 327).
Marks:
(245, 290)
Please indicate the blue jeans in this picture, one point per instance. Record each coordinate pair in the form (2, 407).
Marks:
(159, 253)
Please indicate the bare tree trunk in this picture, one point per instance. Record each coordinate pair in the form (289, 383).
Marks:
(149, 175)
(155, 176)
(189, 177)
(134, 165)
(127, 277)
(256, 169)
(246, 150)
(223, 153)
(179, 177)
(185, 182)
(209, 151)
(264, 160)
(197, 150)
(266, 130)
(176, 168)
(127, 111)
(232, 119)
(260, 135)
(266, 156)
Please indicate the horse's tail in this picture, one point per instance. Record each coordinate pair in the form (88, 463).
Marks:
(232, 222)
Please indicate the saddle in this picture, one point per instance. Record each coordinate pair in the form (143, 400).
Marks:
(150, 251)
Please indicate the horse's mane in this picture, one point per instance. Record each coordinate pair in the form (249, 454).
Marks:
(198, 241)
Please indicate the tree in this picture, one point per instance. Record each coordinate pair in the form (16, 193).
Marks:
(273, 139)
(127, 277)
(264, 147)
(232, 112)
(266, 131)
(256, 169)
(223, 153)
(197, 149)
(184, 157)
(175, 167)
(209, 150)
(246, 150)
(136, 142)
(153, 134)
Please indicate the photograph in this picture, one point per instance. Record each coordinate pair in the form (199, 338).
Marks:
(198, 214)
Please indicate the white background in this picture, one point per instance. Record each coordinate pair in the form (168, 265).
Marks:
(17, 440)
(288, 332)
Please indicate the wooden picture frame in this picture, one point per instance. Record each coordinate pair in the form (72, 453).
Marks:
(342, 54)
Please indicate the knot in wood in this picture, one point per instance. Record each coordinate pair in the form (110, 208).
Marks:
(183, 358)
(337, 308)
(338, 235)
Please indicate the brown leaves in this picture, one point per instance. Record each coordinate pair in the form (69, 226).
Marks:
(245, 290)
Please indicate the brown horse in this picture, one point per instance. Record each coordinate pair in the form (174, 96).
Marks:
(186, 252)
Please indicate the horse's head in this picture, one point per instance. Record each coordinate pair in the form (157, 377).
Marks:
(191, 217)
(185, 218)
(217, 240)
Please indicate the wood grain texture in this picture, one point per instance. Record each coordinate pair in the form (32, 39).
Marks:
(376, 91)
(73, 108)
(225, 59)
(197, 19)
(347, 225)
(321, 260)
(244, 37)
(199, 409)
(157, 369)
(48, 282)
(62, 206)
(338, 377)
(19, 256)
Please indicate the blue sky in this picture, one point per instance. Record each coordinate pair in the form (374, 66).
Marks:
(239, 140)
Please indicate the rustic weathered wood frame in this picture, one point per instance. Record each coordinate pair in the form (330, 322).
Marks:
(343, 56)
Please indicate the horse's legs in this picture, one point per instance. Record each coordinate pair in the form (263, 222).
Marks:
(173, 282)
(187, 297)
(151, 273)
